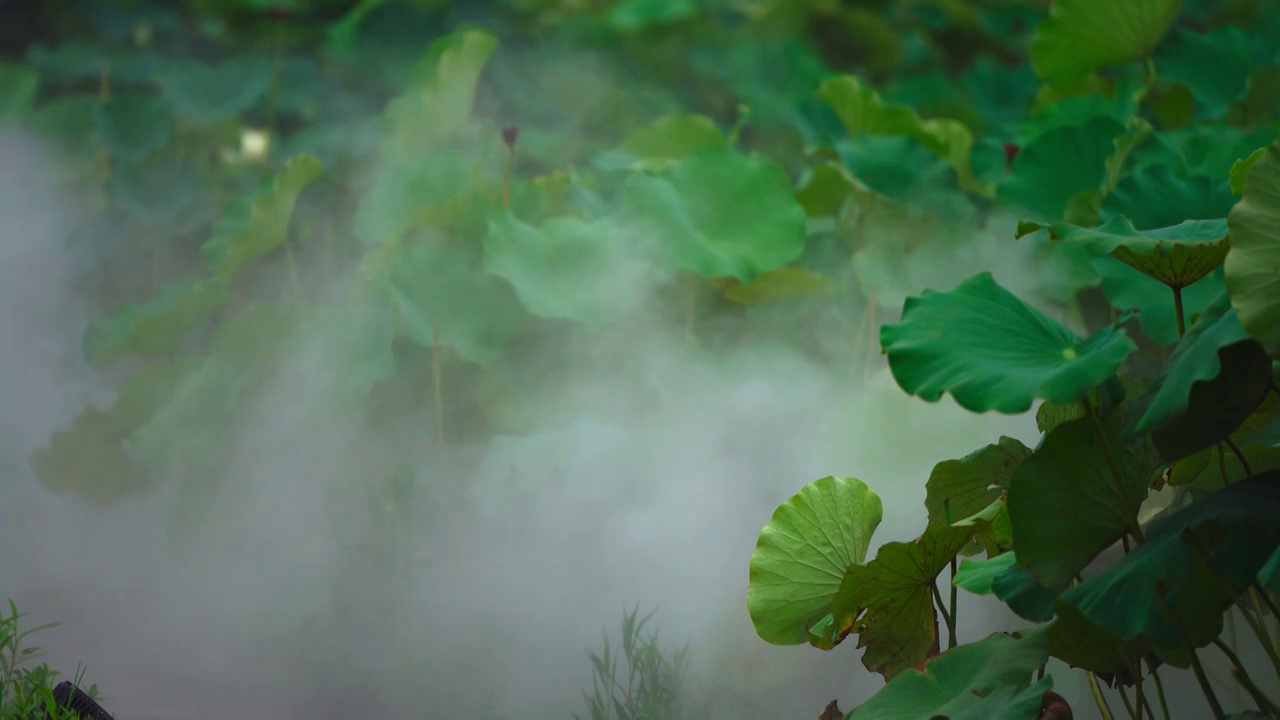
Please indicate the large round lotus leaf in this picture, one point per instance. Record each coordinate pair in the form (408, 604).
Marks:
(1198, 359)
(803, 553)
(1176, 256)
(1216, 407)
(1127, 288)
(254, 225)
(889, 601)
(210, 94)
(1076, 641)
(1215, 65)
(663, 142)
(1066, 503)
(1050, 171)
(958, 489)
(1081, 36)
(438, 102)
(593, 272)
(425, 282)
(1253, 263)
(992, 351)
(1153, 197)
(155, 327)
(962, 678)
(134, 126)
(720, 214)
(404, 195)
(1157, 585)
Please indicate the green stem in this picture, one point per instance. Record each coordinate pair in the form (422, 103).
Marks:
(1164, 703)
(1263, 638)
(1203, 679)
(1222, 465)
(946, 616)
(1092, 412)
(1265, 704)
(1128, 706)
(1233, 641)
(951, 639)
(1179, 311)
(1244, 462)
(1141, 699)
(1098, 697)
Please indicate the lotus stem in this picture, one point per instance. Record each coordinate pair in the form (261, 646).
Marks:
(1128, 706)
(1179, 311)
(1164, 703)
(946, 616)
(951, 638)
(1265, 704)
(1244, 462)
(1099, 698)
(1203, 679)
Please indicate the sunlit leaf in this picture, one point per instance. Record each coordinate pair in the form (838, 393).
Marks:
(1081, 36)
(1253, 264)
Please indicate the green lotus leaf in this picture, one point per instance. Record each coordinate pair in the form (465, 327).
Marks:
(134, 126)
(1253, 263)
(1204, 354)
(958, 489)
(1269, 575)
(593, 272)
(1164, 587)
(1240, 169)
(404, 195)
(1176, 256)
(156, 327)
(663, 142)
(826, 187)
(438, 103)
(1074, 111)
(1080, 643)
(864, 112)
(720, 214)
(992, 351)
(1215, 65)
(889, 601)
(1052, 170)
(88, 460)
(1066, 502)
(788, 283)
(1081, 36)
(210, 94)
(1153, 197)
(978, 576)
(803, 553)
(18, 88)
(965, 680)
(1129, 289)
(254, 225)
(425, 281)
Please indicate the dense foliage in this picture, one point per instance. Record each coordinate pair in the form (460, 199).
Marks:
(543, 174)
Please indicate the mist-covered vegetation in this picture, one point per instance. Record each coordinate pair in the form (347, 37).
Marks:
(386, 350)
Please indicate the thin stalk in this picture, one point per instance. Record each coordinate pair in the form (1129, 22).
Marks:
(1238, 672)
(1098, 697)
(1244, 462)
(435, 383)
(1222, 465)
(1128, 706)
(1141, 695)
(1203, 679)
(1179, 311)
(1233, 640)
(1263, 638)
(1164, 703)
(951, 639)
(1271, 605)
(946, 616)
(1092, 412)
